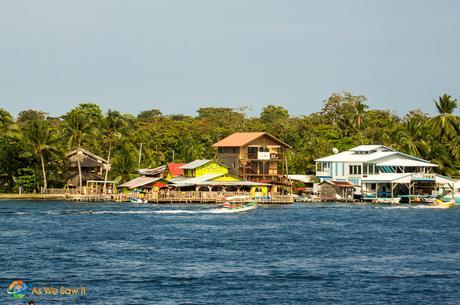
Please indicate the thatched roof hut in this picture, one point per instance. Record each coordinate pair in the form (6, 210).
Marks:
(92, 166)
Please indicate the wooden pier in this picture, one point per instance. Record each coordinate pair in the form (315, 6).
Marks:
(180, 197)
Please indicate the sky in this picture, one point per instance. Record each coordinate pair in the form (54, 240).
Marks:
(177, 56)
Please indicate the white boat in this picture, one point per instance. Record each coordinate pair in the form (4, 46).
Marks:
(239, 207)
(137, 200)
(239, 204)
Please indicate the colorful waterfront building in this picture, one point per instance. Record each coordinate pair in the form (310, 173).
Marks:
(378, 171)
(210, 175)
(254, 156)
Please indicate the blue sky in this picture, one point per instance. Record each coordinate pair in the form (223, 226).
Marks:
(181, 55)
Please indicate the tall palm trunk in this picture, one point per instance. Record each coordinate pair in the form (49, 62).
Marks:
(45, 183)
(80, 176)
(107, 169)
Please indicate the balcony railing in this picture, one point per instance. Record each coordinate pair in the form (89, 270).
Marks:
(273, 157)
(323, 173)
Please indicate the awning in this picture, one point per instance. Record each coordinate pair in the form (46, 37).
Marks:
(140, 181)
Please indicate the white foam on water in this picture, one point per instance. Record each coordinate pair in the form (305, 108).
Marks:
(429, 207)
(415, 207)
(172, 212)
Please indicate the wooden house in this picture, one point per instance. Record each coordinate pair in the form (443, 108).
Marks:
(336, 191)
(92, 167)
(255, 156)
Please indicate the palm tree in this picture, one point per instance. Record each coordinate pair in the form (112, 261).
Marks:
(446, 124)
(114, 125)
(408, 136)
(40, 140)
(78, 127)
(125, 162)
(359, 118)
(7, 124)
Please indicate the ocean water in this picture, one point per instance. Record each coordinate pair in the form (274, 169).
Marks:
(196, 254)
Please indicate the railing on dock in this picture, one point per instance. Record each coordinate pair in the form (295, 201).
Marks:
(167, 196)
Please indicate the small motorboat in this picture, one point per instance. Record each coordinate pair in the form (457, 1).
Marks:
(239, 207)
(137, 200)
(239, 203)
(445, 204)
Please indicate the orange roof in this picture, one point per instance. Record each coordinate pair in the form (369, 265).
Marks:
(242, 138)
(175, 170)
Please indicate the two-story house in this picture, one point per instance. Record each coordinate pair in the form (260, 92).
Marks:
(254, 156)
(380, 171)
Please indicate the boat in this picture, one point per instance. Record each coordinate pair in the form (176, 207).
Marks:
(240, 207)
(239, 203)
(443, 203)
(137, 200)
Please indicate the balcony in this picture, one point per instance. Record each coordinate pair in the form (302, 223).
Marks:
(326, 173)
(265, 156)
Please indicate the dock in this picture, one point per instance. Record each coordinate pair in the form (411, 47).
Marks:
(179, 197)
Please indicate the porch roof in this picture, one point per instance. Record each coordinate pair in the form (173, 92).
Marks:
(388, 178)
(406, 163)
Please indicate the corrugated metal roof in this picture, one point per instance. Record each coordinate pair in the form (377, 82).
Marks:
(139, 181)
(405, 162)
(186, 181)
(175, 169)
(239, 139)
(340, 183)
(368, 147)
(300, 178)
(87, 153)
(195, 164)
(400, 178)
(350, 156)
(152, 171)
(203, 178)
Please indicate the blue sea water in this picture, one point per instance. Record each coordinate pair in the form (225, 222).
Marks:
(195, 254)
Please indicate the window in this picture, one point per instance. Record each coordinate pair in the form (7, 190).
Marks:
(323, 166)
(368, 169)
(371, 169)
(355, 169)
(228, 150)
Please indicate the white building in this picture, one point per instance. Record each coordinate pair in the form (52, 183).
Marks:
(381, 172)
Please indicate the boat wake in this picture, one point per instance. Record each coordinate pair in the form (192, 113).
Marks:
(414, 207)
(172, 212)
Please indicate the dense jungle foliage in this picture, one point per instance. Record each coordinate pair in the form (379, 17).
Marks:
(33, 145)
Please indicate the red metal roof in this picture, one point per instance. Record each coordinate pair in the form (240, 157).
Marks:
(239, 139)
(175, 170)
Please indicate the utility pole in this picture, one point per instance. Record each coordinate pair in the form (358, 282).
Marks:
(140, 155)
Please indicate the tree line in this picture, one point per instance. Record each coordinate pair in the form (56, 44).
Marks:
(33, 145)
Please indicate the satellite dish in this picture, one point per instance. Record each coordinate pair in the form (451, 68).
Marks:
(335, 151)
